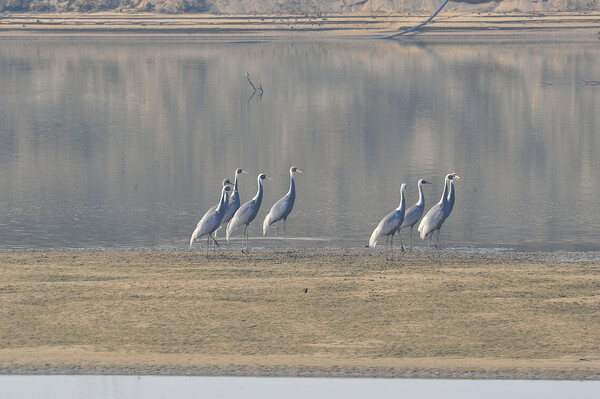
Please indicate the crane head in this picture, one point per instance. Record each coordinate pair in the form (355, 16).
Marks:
(455, 176)
(239, 171)
(226, 182)
(423, 181)
(226, 188)
(294, 169)
(262, 176)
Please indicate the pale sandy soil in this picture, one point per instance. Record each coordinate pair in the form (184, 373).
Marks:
(464, 315)
(309, 26)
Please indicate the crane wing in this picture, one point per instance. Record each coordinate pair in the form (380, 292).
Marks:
(209, 223)
(244, 215)
(431, 220)
(412, 216)
(280, 210)
(387, 226)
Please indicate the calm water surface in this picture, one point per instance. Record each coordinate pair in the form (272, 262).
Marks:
(150, 387)
(120, 143)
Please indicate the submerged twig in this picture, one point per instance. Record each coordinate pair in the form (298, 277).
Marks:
(415, 27)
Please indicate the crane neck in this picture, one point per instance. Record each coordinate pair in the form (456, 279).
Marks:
(402, 205)
(451, 192)
(444, 199)
(223, 201)
(292, 185)
(259, 193)
(421, 201)
(235, 183)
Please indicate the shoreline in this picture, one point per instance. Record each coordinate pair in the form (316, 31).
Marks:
(324, 26)
(463, 315)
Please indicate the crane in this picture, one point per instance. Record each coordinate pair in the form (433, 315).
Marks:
(390, 224)
(234, 200)
(414, 213)
(212, 219)
(282, 208)
(247, 212)
(438, 213)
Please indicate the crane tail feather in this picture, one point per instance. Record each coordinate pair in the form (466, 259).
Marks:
(231, 226)
(228, 230)
(267, 222)
(423, 229)
(374, 238)
(194, 237)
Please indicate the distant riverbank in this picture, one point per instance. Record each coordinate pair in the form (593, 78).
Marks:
(314, 312)
(354, 25)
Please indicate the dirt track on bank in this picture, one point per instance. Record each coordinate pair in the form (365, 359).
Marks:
(148, 312)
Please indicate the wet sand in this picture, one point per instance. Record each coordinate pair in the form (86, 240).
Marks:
(273, 27)
(308, 313)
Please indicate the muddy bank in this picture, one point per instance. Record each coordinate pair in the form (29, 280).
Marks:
(334, 313)
(274, 27)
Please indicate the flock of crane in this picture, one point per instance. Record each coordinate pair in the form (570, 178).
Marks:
(229, 211)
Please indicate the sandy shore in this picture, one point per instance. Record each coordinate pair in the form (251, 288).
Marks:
(274, 27)
(325, 313)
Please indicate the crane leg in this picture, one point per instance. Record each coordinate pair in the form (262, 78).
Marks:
(276, 231)
(284, 237)
(401, 243)
(207, 245)
(247, 242)
(410, 240)
(244, 236)
(429, 245)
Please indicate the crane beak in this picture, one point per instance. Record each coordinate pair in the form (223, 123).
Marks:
(298, 170)
(244, 172)
(457, 177)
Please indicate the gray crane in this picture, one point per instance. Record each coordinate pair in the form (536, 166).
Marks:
(247, 212)
(438, 214)
(282, 208)
(234, 200)
(451, 195)
(212, 219)
(390, 224)
(414, 213)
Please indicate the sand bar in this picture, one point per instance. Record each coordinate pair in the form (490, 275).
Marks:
(356, 25)
(318, 313)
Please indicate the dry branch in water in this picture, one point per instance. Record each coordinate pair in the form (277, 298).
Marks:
(260, 88)
(415, 28)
